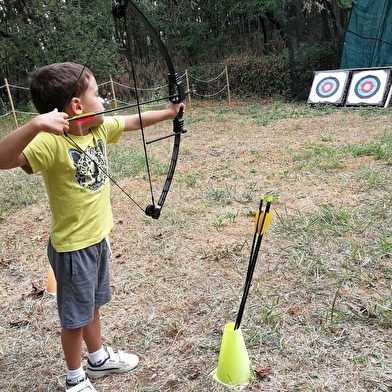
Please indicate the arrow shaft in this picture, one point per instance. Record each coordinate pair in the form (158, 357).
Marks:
(132, 105)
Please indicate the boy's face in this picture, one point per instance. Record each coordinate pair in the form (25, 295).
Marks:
(92, 102)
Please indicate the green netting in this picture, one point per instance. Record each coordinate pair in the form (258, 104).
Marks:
(368, 41)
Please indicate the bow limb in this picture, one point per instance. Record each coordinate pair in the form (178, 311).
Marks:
(176, 88)
(176, 95)
(178, 127)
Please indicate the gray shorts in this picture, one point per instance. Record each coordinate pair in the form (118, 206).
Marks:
(83, 282)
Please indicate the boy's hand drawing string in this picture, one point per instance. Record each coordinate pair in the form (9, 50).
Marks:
(176, 95)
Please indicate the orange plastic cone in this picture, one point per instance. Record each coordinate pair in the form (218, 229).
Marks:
(51, 284)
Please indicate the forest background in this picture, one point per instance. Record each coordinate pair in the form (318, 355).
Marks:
(271, 47)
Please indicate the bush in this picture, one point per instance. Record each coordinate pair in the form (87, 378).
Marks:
(265, 77)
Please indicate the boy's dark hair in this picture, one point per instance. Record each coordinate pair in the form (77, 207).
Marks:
(53, 86)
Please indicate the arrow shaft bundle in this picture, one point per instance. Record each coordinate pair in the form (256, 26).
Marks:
(261, 225)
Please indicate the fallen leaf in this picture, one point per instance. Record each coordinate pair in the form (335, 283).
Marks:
(36, 291)
(20, 322)
(194, 376)
(262, 373)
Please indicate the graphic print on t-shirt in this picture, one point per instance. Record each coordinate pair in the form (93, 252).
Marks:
(89, 166)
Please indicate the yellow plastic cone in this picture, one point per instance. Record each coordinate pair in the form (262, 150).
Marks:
(234, 367)
(51, 284)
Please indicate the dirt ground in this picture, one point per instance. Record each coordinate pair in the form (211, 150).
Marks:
(314, 318)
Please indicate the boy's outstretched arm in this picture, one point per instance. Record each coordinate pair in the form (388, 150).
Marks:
(151, 117)
(13, 144)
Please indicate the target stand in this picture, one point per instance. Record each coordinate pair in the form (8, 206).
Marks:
(329, 87)
(370, 87)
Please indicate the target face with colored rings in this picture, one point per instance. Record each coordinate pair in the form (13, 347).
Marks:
(367, 87)
(327, 87)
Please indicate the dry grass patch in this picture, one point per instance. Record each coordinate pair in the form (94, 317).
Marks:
(319, 311)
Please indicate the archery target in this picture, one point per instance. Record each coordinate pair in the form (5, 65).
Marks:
(329, 87)
(369, 87)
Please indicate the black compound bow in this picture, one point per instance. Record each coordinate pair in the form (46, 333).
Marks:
(176, 95)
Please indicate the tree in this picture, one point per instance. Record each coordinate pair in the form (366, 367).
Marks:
(34, 33)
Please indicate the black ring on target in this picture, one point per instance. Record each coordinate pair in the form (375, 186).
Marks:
(367, 87)
(327, 87)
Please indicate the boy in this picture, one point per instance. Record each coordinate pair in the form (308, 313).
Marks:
(72, 159)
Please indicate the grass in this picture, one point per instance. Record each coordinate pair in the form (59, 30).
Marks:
(319, 312)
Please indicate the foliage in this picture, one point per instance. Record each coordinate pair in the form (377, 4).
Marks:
(34, 34)
(265, 76)
(305, 33)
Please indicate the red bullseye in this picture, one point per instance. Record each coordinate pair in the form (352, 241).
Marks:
(327, 87)
(366, 87)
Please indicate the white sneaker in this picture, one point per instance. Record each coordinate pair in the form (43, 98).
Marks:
(84, 386)
(117, 362)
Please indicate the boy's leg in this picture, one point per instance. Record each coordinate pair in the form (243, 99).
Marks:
(71, 340)
(92, 333)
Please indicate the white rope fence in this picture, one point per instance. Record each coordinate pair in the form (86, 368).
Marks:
(112, 89)
(226, 87)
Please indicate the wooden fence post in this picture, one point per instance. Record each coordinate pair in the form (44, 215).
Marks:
(228, 85)
(11, 102)
(113, 91)
(188, 88)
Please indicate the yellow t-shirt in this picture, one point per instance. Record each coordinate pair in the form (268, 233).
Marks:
(77, 187)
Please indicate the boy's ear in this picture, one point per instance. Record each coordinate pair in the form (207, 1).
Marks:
(75, 107)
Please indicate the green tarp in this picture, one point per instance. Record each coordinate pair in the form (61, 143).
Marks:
(368, 41)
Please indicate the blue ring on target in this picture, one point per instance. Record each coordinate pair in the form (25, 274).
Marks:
(367, 87)
(327, 87)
